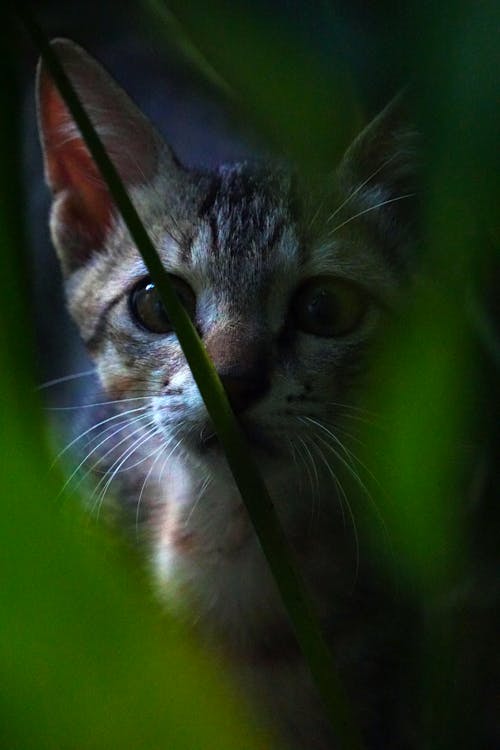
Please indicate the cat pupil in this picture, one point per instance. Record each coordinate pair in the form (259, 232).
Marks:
(323, 308)
(329, 307)
(147, 309)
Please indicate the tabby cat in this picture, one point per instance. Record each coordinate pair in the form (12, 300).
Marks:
(288, 287)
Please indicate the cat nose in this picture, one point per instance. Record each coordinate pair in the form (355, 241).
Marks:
(244, 389)
(243, 365)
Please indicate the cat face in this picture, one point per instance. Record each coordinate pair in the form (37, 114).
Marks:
(287, 290)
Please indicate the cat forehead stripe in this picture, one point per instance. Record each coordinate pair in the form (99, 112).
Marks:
(246, 209)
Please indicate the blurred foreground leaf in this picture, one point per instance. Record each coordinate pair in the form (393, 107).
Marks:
(426, 385)
(307, 110)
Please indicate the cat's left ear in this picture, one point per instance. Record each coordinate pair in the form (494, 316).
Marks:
(380, 170)
(385, 152)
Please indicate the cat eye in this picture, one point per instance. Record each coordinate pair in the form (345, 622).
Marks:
(147, 308)
(327, 306)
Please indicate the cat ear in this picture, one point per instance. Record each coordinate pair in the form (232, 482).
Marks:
(380, 170)
(83, 208)
(384, 153)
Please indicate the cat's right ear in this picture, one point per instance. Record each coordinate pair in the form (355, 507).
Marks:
(83, 210)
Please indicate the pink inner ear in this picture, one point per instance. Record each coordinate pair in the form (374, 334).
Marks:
(83, 207)
(71, 170)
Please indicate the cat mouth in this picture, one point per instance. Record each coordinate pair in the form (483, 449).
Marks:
(255, 436)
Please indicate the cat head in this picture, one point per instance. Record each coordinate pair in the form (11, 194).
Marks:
(286, 288)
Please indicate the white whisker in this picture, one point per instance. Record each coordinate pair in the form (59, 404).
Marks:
(353, 407)
(348, 465)
(65, 379)
(163, 466)
(124, 425)
(159, 453)
(348, 452)
(367, 210)
(112, 472)
(360, 187)
(201, 493)
(114, 402)
(343, 502)
(162, 451)
(312, 472)
(91, 429)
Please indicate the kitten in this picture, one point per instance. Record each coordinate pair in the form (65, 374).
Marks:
(288, 291)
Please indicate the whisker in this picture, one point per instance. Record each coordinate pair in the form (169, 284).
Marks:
(298, 460)
(201, 493)
(97, 403)
(352, 437)
(360, 187)
(65, 379)
(312, 474)
(363, 420)
(315, 506)
(112, 472)
(159, 453)
(129, 467)
(351, 470)
(160, 477)
(348, 452)
(301, 454)
(343, 502)
(353, 407)
(127, 423)
(292, 450)
(347, 463)
(113, 448)
(367, 210)
(91, 429)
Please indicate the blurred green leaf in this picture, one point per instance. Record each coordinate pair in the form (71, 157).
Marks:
(426, 383)
(420, 388)
(308, 111)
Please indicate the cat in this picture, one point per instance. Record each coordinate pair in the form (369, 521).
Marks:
(288, 285)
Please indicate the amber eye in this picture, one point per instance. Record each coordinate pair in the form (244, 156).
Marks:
(147, 308)
(327, 306)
